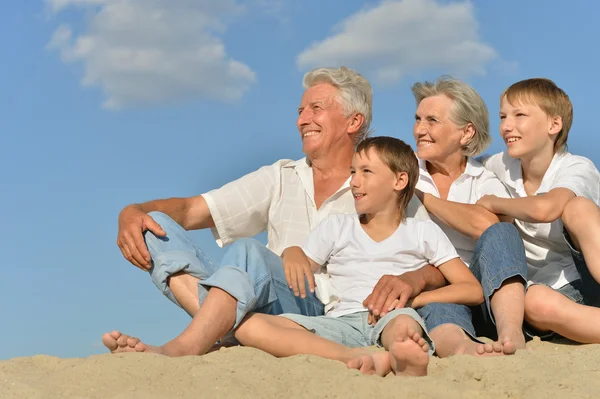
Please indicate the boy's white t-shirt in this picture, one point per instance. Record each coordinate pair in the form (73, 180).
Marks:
(355, 262)
(548, 255)
(474, 183)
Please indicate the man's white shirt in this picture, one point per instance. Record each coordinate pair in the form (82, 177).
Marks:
(278, 198)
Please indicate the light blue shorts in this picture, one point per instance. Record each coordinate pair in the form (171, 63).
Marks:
(353, 330)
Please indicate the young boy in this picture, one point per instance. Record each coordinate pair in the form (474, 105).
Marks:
(555, 197)
(358, 250)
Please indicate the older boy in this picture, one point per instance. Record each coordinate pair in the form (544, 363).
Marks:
(555, 197)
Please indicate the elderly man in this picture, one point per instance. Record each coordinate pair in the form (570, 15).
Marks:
(288, 199)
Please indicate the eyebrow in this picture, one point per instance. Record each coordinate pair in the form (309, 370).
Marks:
(300, 108)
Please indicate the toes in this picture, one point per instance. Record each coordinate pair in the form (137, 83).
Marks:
(109, 341)
(497, 347)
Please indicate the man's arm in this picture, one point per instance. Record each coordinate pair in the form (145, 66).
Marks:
(543, 208)
(402, 288)
(191, 213)
(469, 219)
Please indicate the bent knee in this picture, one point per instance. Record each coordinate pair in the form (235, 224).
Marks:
(578, 211)
(540, 306)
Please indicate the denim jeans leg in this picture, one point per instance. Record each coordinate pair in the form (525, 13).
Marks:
(175, 253)
(436, 314)
(254, 276)
(499, 255)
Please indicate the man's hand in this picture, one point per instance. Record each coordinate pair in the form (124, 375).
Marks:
(392, 292)
(133, 222)
(296, 267)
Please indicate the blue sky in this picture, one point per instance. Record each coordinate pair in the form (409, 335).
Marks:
(108, 102)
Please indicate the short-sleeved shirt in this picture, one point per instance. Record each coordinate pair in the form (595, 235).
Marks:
(474, 183)
(548, 255)
(355, 262)
(278, 198)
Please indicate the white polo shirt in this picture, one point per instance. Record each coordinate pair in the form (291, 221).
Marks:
(474, 183)
(548, 255)
(355, 262)
(278, 198)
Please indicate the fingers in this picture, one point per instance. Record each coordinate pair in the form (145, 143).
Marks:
(300, 286)
(404, 297)
(288, 274)
(150, 224)
(127, 255)
(135, 255)
(373, 298)
(310, 277)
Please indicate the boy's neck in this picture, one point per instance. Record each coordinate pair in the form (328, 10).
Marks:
(380, 225)
(534, 167)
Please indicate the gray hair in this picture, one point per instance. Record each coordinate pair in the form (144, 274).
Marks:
(469, 107)
(355, 92)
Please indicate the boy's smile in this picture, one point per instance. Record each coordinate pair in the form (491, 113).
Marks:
(374, 186)
(526, 129)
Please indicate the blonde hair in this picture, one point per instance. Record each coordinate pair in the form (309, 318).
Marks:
(551, 99)
(399, 157)
(469, 107)
(355, 92)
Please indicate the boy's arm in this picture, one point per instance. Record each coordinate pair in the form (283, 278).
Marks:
(543, 208)
(463, 289)
(296, 267)
(469, 219)
(402, 288)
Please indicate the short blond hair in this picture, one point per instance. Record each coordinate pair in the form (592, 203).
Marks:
(551, 99)
(399, 157)
(468, 107)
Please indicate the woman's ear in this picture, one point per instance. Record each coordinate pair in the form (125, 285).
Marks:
(468, 133)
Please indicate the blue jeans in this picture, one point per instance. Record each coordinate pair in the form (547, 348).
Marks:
(249, 272)
(499, 255)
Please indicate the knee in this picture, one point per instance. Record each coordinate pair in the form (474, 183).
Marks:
(578, 211)
(500, 238)
(500, 231)
(539, 308)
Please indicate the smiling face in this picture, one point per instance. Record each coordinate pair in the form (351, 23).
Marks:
(436, 135)
(376, 188)
(321, 121)
(526, 129)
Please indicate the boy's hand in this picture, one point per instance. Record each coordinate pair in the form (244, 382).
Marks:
(296, 267)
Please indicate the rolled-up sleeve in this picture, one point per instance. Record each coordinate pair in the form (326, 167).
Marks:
(241, 208)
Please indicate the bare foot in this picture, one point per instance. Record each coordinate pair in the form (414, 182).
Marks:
(117, 342)
(496, 348)
(377, 363)
(409, 352)
(511, 342)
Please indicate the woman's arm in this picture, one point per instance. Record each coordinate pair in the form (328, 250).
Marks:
(469, 219)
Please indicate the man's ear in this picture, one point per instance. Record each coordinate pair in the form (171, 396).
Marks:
(401, 181)
(356, 122)
(555, 125)
(468, 133)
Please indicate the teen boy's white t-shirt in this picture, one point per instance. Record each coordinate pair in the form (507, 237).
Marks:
(355, 262)
(548, 255)
(474, 183)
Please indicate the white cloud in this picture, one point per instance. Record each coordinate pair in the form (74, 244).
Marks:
(397, 38)
(149, 51)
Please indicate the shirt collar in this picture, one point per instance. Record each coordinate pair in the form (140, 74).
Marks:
(473, 168)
